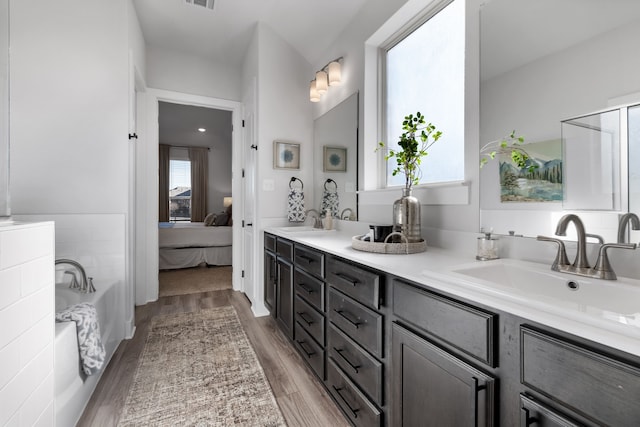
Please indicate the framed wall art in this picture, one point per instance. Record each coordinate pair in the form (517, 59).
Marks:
(286, 155)
(334, 159)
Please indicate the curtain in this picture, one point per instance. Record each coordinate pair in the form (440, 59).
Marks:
(163, 187)
(199, 158)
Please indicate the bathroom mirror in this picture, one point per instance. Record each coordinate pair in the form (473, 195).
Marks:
(335, 140)
(4, 110)
(542, 62)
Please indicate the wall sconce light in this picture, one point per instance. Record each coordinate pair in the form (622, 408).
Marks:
(329, 75)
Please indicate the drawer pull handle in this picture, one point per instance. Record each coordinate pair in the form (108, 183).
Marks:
(306, 258)
(301, 314)
(354, 412)
(308, 353)
(354, 367)
(350, 280)
(476, 389)
(526, 419)
(305, 288)
(345, 317)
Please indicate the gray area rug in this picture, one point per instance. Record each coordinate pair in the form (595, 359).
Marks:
(199, 369)
(194, 280)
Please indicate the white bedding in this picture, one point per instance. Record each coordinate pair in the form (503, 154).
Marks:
(193, 235)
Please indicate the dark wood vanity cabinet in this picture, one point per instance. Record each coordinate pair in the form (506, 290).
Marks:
(392, 352)
(270, 281)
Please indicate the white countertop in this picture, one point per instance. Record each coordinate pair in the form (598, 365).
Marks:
(619, 329)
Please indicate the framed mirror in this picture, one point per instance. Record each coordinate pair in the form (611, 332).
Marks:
(5, 211)
(335, 140)
(544, 62)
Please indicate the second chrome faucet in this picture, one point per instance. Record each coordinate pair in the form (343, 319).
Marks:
(580, 266)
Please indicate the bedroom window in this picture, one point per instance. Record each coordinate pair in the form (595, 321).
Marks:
(179, 190)
(424, 71)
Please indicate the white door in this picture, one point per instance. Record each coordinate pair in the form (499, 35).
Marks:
(248, 196)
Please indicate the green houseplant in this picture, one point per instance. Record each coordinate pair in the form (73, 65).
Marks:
(417, 137)
(511, 145)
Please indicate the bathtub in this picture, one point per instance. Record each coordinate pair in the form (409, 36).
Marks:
(73, 388)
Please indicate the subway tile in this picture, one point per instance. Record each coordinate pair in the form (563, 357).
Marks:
(21, 245)
(37, 274)
(37, 403)
(9, 286)
(35, 339)
(9, 362)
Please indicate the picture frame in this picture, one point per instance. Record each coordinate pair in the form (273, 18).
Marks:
(286, 155)
(334, 159)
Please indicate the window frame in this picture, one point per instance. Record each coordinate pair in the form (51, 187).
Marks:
(383, 49)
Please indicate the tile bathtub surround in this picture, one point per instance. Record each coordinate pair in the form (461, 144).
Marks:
(26, 313)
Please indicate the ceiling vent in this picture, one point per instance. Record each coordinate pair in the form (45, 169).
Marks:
(204, 3)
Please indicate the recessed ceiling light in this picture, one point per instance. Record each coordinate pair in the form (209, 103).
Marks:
(202, 130)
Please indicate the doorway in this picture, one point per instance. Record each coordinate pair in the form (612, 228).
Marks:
(148, 260)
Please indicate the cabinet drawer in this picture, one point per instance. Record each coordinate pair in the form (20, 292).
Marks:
(468, 329)
(363, 369)
(270, 242)
(535, 413)
(311, 352)
(601, 388)
(310, 320)
(284, 248)
(309, 260)
(354, 281)
(359, 410)
(360, 323)
(310, 289)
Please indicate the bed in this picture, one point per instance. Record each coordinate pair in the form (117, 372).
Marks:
(184, 245)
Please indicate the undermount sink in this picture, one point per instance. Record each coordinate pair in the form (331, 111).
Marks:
(616, 300)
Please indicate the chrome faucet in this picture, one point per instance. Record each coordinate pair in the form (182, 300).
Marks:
(345, 210)
(580, 262)
(580, 266)
(86, 285)
(317, 220)
(622, 225)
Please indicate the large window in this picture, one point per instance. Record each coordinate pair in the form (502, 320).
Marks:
(179, 190)
(425, 72)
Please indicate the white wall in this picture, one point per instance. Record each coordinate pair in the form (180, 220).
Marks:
(187, 73)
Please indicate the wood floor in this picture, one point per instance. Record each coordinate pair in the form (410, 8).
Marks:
(301, 397)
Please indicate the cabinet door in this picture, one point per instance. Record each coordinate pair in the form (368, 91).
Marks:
(284, 300)
(270, 279)
(433, 388)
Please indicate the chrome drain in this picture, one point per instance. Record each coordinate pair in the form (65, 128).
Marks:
(573, 285)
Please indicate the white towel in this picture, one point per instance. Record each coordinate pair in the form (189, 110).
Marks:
(92, 353)
(295, 206)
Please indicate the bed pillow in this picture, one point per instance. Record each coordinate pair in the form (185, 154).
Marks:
(221, 219)
(209, 220)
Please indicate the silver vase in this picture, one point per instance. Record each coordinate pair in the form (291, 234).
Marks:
(406, 216)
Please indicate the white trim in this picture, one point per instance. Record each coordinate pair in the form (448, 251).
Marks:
(149, 163)
(450, 193)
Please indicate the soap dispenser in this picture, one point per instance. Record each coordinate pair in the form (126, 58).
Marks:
(488, 247)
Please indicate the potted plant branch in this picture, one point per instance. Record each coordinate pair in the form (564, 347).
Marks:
(511, 145)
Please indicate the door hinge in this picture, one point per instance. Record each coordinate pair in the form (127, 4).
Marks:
(243, 123)
(243, 173)
(242, 273)
(243, 223)
(133, 136)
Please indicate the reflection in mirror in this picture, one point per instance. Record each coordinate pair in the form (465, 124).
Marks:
(593, 181)
(581, 60)
(335, 140)
(4, 109)
(634, 171)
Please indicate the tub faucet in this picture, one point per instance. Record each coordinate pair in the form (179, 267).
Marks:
(622, 225)
(317, 220)
(86, 285)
